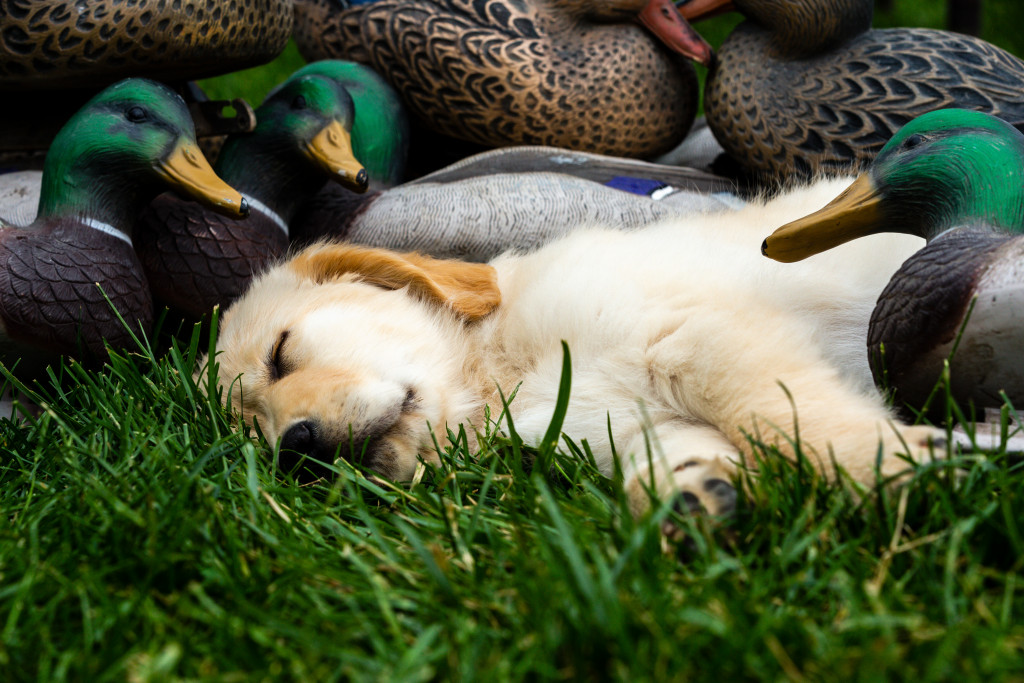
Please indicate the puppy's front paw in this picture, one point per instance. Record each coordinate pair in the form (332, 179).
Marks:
(703, 492)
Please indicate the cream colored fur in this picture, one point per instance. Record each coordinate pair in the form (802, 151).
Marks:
(681, 334)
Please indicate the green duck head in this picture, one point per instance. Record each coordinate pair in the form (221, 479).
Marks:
(944, 169)
(380, 131)
(302, 139)
(130, 142)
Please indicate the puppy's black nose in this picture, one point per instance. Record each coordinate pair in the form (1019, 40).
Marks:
(300, 437)
(300, 452)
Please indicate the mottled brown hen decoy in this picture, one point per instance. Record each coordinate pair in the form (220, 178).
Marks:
(73, 44)
(956, 178)
(805, 86)
(130, 142)
(196, 259)
(56, 54)
(580, 74)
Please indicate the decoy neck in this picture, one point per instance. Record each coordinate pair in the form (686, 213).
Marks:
(798, 28)
(126, 145)
(945, 169)
(380, 131)
(301, 140)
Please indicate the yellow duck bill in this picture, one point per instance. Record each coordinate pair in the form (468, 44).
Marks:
(857, 212)
(331, 148)
(187, 170)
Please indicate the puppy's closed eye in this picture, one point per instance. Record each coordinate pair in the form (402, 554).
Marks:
(276, 362)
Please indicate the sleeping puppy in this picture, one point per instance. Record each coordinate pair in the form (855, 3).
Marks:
(681, 334)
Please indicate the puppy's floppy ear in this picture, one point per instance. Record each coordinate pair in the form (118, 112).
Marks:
(471, 289)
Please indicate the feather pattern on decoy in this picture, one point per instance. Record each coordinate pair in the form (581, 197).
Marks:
(806, 86)
(127, 144)
(956, 178)
(580, 74)
(196, 259)
(74, 44)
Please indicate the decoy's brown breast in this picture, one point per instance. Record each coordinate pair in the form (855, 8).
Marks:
(71, 43)
(921, 311)
(834, 112)
(196, 259)
(52, 292)
(486, 72)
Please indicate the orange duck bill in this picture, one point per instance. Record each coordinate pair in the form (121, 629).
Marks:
(857, 212)
(187, 170)
(331, 149)
(665, 21)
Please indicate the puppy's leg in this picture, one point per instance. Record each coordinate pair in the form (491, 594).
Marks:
(736, 381)
(693, 464)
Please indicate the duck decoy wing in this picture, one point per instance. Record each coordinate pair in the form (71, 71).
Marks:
(599, 168)
(958, 296)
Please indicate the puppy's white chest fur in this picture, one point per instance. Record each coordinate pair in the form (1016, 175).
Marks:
(695, 296)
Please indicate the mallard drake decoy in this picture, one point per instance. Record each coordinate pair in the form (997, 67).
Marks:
(514, 198)
(956, 178)
(380, 131)
(195, 259)
(805, 86)
(132, 140)
(580, 74)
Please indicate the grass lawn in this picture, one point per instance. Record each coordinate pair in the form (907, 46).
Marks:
(143, 537)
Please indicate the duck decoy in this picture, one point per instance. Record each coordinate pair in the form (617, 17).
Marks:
(805, 86)
(580, 74)
(73, 44)
(195, 259)
(956, 178)
(56, 54)
(127, 144)
(380, 132)
(516, 198)
(510, 198)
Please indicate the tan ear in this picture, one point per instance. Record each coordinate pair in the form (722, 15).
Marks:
(471, 289)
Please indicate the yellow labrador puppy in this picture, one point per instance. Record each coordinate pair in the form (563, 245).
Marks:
(681, 334)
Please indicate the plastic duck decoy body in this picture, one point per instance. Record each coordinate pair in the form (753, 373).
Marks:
(806, 86)
(956, 178)
(130, 142)
(196, 259)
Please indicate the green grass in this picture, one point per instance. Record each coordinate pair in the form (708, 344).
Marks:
(145, 537)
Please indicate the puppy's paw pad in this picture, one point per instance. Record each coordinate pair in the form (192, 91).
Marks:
(715, 504)
(721, 497)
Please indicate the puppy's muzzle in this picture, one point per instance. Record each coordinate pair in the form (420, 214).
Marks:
(307, 447)
(306, 451)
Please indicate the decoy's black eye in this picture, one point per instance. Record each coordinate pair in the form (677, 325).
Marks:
(135, 114)
(299, 102)
(913, 141)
